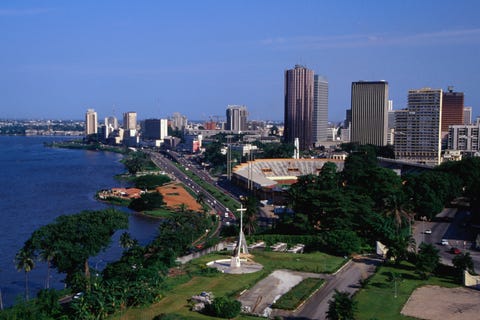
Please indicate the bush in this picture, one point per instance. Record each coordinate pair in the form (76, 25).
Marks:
(223, 307)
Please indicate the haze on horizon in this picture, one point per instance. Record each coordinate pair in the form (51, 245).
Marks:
(59, 58)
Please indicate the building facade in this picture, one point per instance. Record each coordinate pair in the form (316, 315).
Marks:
(155, 129)
(179, 121)
(111, 124)
(452, 109)
(418, 127)
(236, 118)
(298, 115)
(467, 115)
(464, 138)
(91, 122)
(130, 120)
(369, 107)
(320, 110)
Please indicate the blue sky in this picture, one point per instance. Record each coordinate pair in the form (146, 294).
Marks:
(58, 58)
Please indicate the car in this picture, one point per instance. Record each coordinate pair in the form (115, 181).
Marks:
(428, 231)
(444, 242)
(455, 250)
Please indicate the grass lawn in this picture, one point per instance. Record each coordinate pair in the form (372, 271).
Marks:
(377, 300)
(299, 293)
(159, 213)
(175, 300)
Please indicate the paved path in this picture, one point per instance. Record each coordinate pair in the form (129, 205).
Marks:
(347, 279)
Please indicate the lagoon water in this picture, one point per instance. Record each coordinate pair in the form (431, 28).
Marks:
(38, 184)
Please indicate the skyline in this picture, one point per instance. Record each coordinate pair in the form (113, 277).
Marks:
(61, 58)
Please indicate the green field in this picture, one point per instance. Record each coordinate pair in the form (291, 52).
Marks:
(377, 299)
(182, 288)
(301, 292)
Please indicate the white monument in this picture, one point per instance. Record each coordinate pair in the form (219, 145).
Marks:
(241, 243)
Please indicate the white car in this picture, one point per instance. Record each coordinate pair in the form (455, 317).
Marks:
(444, 242)
(428, 231)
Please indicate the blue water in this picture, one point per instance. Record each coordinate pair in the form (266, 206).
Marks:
(37, 184)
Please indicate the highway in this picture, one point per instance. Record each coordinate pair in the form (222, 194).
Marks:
(166, 164)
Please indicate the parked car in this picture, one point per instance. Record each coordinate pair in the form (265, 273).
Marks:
(444, 242)
(428, 231)
(455, 250)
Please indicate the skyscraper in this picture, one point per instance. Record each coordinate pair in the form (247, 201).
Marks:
(155, 129)
(179, 122)
(467, 115)
(236, 118)
(452, 109)
(91, 122)
(369, 105)
(320, 109)
(298, 123)
(418, 127)
(130, 120)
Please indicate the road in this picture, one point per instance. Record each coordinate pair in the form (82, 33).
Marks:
(347, 279)
(453, 229)
(162, 162)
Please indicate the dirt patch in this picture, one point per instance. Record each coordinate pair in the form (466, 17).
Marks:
(175, 194)
(434, 302)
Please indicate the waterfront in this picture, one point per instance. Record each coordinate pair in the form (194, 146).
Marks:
(39, 184)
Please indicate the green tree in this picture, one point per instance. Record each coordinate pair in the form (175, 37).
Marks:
(250, 215)
(341, 307)
(223, 307)
(427, 260)
(147, 201)
(24, 261)
(75, 238)
(463, 262)
(126, 241)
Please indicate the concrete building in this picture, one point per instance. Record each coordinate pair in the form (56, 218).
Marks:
(155, 129)
(111, 124)
(130, 120)
(418, 127)
(452, 109)
(467, 115)
(236, 118)
(464, 138)
(299, 92)
(391, 123)
(179, 121)
(320, 110)
(91, 122)
(369, 105)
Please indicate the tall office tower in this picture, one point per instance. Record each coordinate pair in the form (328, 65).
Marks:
(320, 109)
(91, 124)
(348, 118)
(111, 124)
(179, 122)
(237, 118)
(299, 83)
(130, 120)
(418, 127)
(369, 112)
(391, 123)
(467, 115)
(155, 129)
(452, 109)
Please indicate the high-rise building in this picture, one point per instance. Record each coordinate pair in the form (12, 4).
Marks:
(91, 122)
(179, 121)
(452, 109)
(155, 129)
(467, 115)
(320, 109)
(298, 122)
(236, 118)
(111, 124)
(130, 120)
(418, 127)
(369, 105)
(465, 138)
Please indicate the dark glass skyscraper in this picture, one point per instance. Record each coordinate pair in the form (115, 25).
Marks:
(298, 123)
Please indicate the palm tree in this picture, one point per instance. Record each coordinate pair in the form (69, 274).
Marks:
(201, 198)
(250, 217)
(47, 254)
(24, 261)
(397, 209)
